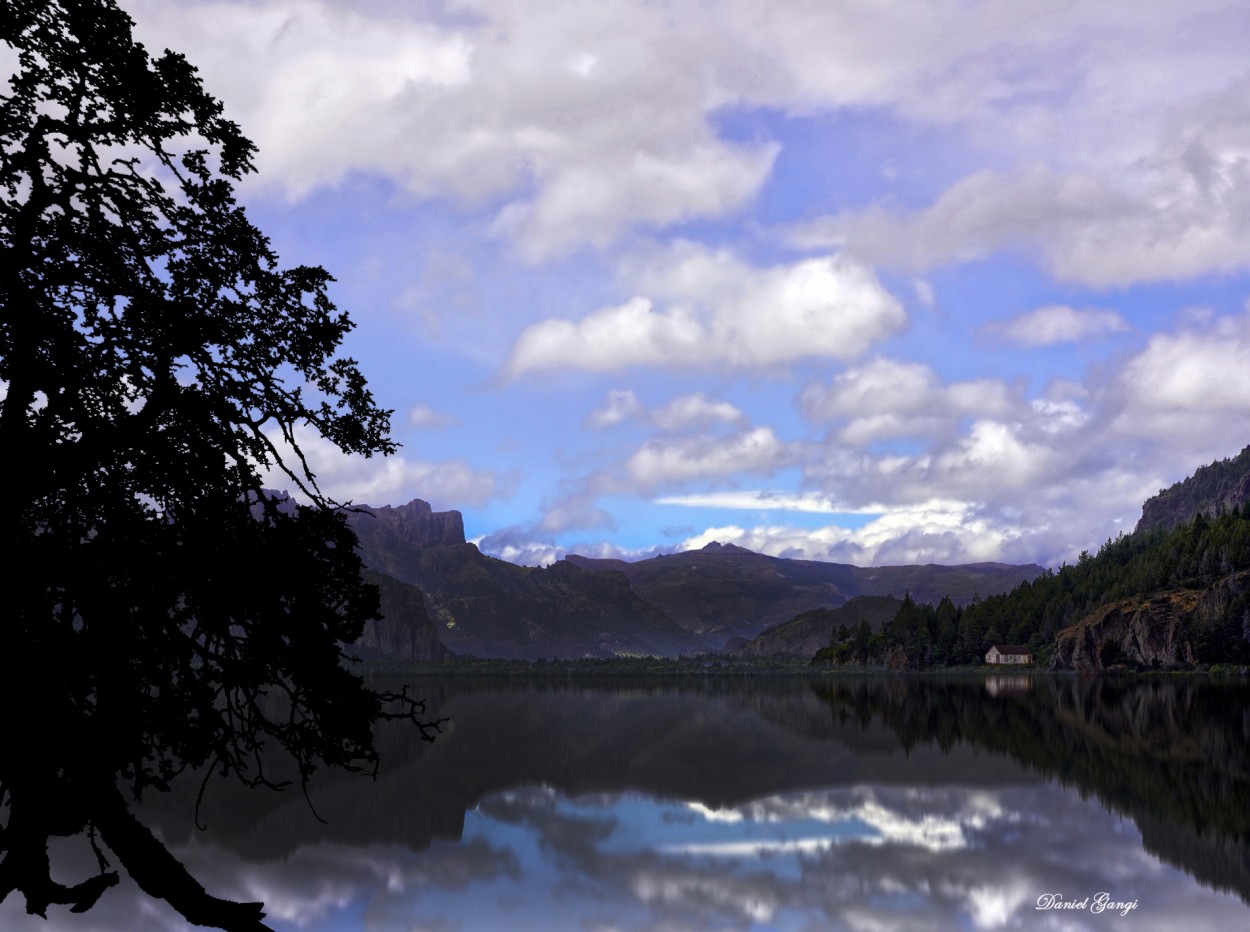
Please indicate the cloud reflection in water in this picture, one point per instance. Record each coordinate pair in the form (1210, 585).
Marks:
(850, 804)
(856, 858)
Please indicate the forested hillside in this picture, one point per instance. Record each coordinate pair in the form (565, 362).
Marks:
(1190, 577)
(1212, 489)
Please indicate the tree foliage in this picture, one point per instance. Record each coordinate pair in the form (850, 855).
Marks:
(1194, 555)
(155, 360)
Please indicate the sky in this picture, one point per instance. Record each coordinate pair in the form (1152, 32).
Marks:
(855, 280)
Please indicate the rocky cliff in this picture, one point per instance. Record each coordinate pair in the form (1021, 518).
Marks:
(1143, 630)
(405, 631)
(1150, 631)
(389, 529)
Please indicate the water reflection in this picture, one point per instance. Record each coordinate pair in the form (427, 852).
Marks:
(851, 803)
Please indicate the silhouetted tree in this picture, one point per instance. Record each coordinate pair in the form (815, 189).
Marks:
(161, 612)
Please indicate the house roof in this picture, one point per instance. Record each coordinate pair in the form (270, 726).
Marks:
(1012, 648)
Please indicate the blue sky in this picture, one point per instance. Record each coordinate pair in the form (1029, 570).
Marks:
(875, 283)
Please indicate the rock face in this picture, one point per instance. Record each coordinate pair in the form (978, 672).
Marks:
(1146, 631)
(405, 631)
(414, 525)
(1212, 489)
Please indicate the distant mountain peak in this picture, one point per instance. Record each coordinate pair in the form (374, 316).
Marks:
(725, 548)
(415, 523)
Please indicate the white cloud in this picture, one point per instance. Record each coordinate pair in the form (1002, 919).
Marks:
(585, 119)
(1108, 142)
(988, 474)
(886, 398)
(1185, 385)
(622, 404)
(1058, 415)
(1057, 323)
(936, 531)
(723, 313)
(696, 410)
(323, 90)
(575, 123)
(1080, 227)
(767, 500)
(664, 462)
(390, 480)
(516, 546)
(596, 203)
(426, 417)
(686, 411)
(609, 339)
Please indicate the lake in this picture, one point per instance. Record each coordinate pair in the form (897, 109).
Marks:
(840, 802)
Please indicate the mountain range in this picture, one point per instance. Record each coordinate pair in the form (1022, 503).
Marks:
(440, 594)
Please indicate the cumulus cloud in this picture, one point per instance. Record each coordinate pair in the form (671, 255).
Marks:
(585, 120)
(695, 410)
(936, 531)
(1039, 479)
(722, 312)
(565, 125)
(664, 462)
(887, 398)
(575, 123)
(1184, 384)
(1057, 323)
(531, 547)
(390, 480)
(587, 204)
(695, 440)
(609, 339)
(1080, 227)
(700, 442)
(986, 473)
(322, 88)
(1100, 176)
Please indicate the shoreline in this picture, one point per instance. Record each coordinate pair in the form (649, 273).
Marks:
(691, 668)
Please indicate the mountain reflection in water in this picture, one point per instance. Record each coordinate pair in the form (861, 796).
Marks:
(838, 803)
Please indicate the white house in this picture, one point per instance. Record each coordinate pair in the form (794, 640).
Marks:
(1009, 653)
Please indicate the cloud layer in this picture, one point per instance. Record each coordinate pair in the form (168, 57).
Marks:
(978, 268)
(721, 312)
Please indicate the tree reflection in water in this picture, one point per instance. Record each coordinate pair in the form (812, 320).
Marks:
(740, 803)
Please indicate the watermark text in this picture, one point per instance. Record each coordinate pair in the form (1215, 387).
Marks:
(1097, 903)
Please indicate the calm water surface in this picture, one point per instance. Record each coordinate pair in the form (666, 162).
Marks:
(848, 803)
